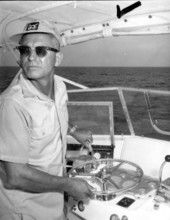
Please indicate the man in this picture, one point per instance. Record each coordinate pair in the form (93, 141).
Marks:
(33, 125)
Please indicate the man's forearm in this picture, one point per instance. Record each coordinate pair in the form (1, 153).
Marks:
(27, 178)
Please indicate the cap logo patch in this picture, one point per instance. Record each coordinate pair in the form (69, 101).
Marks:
(32, 26)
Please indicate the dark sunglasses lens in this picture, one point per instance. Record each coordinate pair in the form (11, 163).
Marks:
(41, 51)
(24, 51)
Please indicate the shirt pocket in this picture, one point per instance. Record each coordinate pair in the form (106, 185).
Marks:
(42, 130)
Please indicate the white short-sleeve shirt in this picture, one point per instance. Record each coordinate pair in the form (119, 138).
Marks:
(33, 130)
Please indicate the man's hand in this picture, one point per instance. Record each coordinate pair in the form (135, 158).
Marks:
(79, 189)
(84, 137)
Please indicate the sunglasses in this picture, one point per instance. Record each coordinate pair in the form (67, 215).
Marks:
(41, 51)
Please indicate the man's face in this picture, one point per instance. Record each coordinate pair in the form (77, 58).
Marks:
(35, 67)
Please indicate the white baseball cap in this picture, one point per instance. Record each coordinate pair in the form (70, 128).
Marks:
(37, 27)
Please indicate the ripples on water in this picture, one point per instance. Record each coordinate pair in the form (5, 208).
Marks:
(137, 77)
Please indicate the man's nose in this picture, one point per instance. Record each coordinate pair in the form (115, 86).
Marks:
(32, 54)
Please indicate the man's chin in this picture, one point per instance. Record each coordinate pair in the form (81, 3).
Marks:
(32, 73)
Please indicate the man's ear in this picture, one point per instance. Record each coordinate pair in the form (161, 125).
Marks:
(59, 58)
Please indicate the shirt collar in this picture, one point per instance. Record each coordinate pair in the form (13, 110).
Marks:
(30, 91)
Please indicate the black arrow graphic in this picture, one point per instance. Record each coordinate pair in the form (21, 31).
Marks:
(120, 13)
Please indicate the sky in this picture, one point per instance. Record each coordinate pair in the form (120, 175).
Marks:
(151, 50)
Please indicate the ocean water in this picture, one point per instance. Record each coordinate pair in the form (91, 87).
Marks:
(137, 77)
(141, 77)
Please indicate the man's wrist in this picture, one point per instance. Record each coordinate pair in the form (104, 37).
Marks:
(73, 129)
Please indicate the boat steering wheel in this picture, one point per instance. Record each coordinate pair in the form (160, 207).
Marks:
(108, 177)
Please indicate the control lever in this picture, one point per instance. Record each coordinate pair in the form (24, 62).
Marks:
(167, 159)
(90, 150)
(160, 194)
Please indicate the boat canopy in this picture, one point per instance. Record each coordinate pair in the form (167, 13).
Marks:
(80, 21)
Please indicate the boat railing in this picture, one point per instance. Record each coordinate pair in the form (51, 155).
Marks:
(153, 100)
